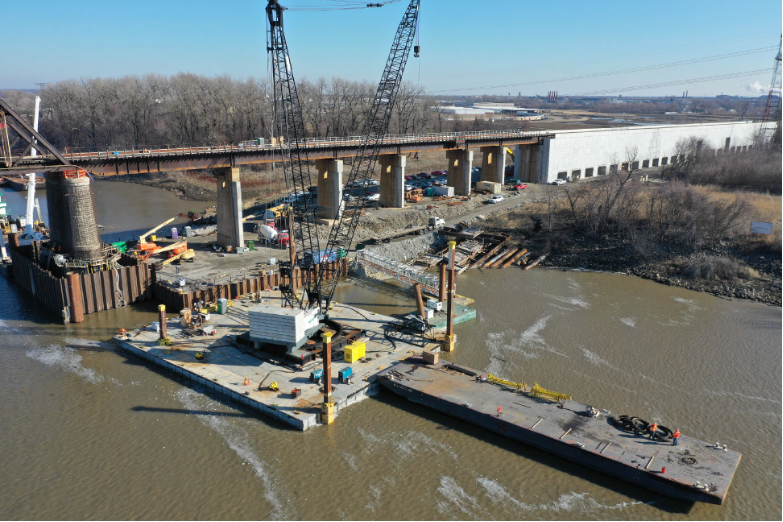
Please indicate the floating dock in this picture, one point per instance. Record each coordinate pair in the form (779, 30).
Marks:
(694, 470)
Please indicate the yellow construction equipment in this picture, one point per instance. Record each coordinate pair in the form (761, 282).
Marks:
(542, 393)
(143, 237)
(512, 154)
(273, 386)
(519, 386)
(187, 254)
(166, 248)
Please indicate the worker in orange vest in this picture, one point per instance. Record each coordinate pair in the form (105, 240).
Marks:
(653, 430)
(675, 437)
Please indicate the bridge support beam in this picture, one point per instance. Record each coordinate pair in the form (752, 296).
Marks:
(229, 208)
(330, 188)
(460, 166)
(71, 208)
(527, 163)
(493, 165)
(392, 180)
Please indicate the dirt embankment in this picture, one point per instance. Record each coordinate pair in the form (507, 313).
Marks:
(729, 270)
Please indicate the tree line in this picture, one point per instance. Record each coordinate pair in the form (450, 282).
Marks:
(186, 109)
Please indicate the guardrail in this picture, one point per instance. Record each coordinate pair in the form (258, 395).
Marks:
(314, 143)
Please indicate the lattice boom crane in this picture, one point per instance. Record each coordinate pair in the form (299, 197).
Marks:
(289, 123)
(376, 125)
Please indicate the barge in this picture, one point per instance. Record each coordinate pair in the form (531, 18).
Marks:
(693, 470)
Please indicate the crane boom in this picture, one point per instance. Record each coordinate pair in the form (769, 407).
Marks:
(375, 127)
(289, 124)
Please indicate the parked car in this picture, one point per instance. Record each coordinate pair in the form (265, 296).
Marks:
(313, 189)
(348, 197)
(424, 175)
(410, 178)
(375, 196)
(496, 199)
(408, 187)
(559, 182)
(521, 186)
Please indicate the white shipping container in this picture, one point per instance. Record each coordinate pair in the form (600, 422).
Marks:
(443, 191)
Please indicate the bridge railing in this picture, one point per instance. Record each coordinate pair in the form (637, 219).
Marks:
(315, 143)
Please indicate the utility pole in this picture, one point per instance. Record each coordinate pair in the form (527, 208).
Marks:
(769, 134)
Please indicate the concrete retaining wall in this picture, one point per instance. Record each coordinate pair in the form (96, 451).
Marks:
(579, 150)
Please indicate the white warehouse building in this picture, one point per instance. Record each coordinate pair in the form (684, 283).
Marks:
(576, 154)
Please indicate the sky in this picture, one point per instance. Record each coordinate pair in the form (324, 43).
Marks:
(468, 46)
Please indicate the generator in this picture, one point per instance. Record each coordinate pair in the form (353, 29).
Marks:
(345, 375)
(316, 375)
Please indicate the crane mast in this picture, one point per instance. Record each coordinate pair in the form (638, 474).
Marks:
(375, 127)
(289, 123)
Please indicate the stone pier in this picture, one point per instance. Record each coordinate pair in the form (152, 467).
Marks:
(72, 214)
(392, 188)
(229, 208)
(460, 165)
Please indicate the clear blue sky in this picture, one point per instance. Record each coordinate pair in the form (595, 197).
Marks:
(468, 47)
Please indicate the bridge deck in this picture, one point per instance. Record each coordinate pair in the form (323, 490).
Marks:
(109, 163)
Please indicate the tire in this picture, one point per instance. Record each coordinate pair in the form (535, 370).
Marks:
(641, 426)
(664, 434)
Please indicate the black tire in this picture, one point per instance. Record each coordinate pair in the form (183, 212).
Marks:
(664, 433)
(641, 426)
(623, 422)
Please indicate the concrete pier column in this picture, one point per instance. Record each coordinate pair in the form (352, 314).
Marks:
(460, 165)
(493, 165)
(72, 214)
(229, 208)
(392, 180)
(527, 163)
(330, 188)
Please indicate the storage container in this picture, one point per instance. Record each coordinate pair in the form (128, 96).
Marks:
(354, 352)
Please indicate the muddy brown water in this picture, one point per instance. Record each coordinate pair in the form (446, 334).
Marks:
(90, 433)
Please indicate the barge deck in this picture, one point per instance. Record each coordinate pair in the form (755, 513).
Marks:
(694, 470)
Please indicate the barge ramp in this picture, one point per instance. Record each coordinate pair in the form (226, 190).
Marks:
(694, 470)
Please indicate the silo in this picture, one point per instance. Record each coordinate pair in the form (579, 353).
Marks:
(72, 214)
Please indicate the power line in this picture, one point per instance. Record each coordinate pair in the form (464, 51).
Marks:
(624, 71)
(667, 84)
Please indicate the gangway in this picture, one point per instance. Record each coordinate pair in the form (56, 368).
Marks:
(397, 270)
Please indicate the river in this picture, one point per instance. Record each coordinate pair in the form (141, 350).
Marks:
(91, 433)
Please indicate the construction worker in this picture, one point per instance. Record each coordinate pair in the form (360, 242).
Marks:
(653, 430)
(676, 437)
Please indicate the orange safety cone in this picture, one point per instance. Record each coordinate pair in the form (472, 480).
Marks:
(247, 381)
(499, 410)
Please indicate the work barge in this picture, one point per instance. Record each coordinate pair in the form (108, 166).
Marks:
(693, 470)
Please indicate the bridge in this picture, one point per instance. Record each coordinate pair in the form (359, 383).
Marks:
(145, 161)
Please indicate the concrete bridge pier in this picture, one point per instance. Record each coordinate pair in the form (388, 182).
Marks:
(71, 208)
(229, 208)
(460, 166)
(493, 166)
(527, 163)
(392, 180)
(330, 188)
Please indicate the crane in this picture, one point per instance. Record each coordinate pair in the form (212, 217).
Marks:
(375, 127)
(289, 124)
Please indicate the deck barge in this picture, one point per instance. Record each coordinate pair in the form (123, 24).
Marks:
(694, 470)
